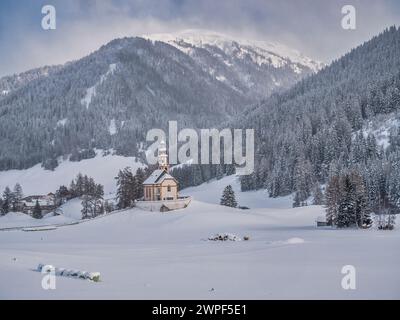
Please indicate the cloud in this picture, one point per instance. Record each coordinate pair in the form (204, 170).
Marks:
(311, 26)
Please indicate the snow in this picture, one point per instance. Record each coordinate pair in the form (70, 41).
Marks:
(20, 220)
(261, 52)
(62, 122)
(5, 92)
(155, 177)
(72, 209)
(36, 180)
(112, 127)
(221, 78)
(381, 130)
(288, 241)
(91, 92)
(211, 192)
(151, 91)
(143, 255)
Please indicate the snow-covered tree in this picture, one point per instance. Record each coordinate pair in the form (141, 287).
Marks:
(318, 196)
(37, 211)
(228, 197)
(347, 201)
(332, 195)
(17, 196)
(92, 206)
(7, 200)
(126, 188)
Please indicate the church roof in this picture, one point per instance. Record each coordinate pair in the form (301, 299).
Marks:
(157, 177)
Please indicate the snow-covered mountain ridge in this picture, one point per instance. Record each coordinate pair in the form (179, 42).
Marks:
(262, 52)
(248, 66)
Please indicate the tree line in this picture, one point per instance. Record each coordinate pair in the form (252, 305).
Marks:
(10, 199)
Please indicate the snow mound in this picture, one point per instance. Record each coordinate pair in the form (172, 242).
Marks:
(72, 209)
(289, 241)
(295, 241)
(25, 221)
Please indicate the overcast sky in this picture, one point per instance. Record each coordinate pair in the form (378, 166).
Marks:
(311, 26)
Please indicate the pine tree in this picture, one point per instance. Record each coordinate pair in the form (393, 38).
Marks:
(301, 182)
(362, 209)
(62, 194)
(79, 185)
(17, 196)
(72, 189)
(318, 196)
(228, 197)
(140, 177)
(347, 207)
(87, 209)
(126, 188)
(296, 200)
(332, 195)
(98, 191)
(7, 199)
(37, 211)
(1, 207)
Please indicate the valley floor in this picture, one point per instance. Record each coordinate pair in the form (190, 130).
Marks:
(143, 255)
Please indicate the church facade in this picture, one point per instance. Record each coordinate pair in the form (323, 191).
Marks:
(161, 185)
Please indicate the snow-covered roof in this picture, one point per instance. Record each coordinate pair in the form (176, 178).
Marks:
(321, 219)
(158, 176)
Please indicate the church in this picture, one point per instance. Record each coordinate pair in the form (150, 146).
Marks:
(160, 189)
(161, 185)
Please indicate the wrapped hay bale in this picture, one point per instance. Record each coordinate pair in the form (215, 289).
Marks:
(44, 267)
(225, 237)
(92, 276)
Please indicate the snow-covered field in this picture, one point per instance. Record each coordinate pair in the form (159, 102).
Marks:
(211, 192)
(143, 255)
(36, 180)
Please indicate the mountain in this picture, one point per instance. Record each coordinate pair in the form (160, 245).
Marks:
(109, 99)
(11, 83)
(345, 117)
(253, 68)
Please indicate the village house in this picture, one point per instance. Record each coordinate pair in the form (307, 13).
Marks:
(47, 203)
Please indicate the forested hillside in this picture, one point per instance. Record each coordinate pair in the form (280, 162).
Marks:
(342, 119)
(111, 98)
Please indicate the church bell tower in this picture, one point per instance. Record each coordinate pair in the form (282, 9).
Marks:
(163, 157)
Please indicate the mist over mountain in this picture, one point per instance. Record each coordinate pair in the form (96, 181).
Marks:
(110, 98)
